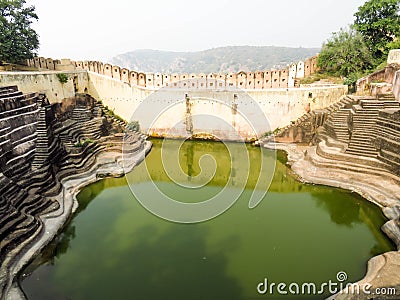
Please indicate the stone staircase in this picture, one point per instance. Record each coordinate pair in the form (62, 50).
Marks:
(387, 140)
(362, 125)
(37, 152)
(336, 123)
(334, 119)
(109, 114)
(81, 114)
(357, 130)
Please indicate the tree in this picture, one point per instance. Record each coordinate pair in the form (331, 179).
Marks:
(18, 41)
(379, 23)
(345, 54)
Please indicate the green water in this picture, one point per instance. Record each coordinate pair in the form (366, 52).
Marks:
(115, 249)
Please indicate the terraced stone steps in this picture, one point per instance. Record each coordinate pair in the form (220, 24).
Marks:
(334, 120)
(81, 114)
(9, 88)
(34, 162)
(108, 114)
(364, 119)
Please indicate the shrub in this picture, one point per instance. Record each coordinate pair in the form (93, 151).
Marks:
(134, 126)
(63, 78)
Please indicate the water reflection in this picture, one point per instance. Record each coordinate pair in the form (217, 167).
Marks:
(114, 249)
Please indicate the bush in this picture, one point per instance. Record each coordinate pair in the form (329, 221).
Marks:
(63, 78)
(134, 126)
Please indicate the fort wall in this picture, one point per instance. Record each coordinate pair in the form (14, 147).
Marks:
(47, 82)
(279, 105)
(257, 96)
(264, 79)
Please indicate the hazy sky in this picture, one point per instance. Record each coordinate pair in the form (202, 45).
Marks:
(98, 30)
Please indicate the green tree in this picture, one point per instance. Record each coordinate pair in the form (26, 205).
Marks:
(345, 54)
(18, 41)
(379, 23)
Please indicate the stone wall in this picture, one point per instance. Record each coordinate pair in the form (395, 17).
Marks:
(47, 82)
(396, 86)
(382, 81)
(387, 140)
(280, 106)
(244, 80)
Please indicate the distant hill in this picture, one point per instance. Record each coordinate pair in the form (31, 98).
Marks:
(223, 59)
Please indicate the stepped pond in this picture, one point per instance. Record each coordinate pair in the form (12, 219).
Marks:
(114, 248)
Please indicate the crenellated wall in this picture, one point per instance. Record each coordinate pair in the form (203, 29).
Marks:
(284, 78)
(279, 105)
(235, 97)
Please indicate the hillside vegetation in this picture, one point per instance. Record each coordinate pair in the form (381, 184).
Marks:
(363, 47)
(223, 59)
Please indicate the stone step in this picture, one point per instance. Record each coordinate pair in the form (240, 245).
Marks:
(362, 153)
(394, 164)
(359, 139)
(361, 147)
(394, 157)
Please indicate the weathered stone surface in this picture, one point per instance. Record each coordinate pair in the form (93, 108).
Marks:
(45, 159)
(394, 57)
(382, 280)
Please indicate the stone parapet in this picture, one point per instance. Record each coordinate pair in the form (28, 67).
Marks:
(258, 80)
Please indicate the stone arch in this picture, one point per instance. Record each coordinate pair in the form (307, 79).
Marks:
(91, 66)
(149, 80)
(307, 67)
(116, 72)
(100, 68)
(267, 79)
(202, 81)
(141, 79)
(221, 81)
(42, 62)
(175, 80)
(50, 64)
(79, 65)
(30, 62)
(283, 78)
(107, 70)
(241, 79)
(231, 80)
(275, 79)
(158, 82)
(314, 64)
(211, 80)
(125, 75)
(193, 81)
(133, 78)
(250, 76)
(259, 80)
(183, 80)
(37, 62)
(166, 80)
